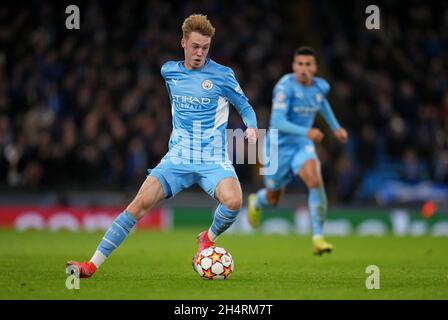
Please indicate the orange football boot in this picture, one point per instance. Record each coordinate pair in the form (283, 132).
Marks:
(86, 269)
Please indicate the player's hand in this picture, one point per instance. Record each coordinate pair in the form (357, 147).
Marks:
(341, 134)
(251, 135)
(315, 135)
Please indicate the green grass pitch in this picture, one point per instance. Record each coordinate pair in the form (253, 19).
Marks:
(157, 265)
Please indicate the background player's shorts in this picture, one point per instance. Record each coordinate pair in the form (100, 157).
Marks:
(290, 161)
(176, 177)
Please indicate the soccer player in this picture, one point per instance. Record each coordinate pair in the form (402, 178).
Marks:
(200, 91)
(297, 97)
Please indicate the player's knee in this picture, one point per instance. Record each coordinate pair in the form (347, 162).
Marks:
(147, 197)
(233, 203)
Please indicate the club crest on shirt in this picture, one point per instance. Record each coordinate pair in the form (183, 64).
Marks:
(318, 97)
(207, 84)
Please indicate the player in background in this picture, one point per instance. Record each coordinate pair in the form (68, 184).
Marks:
(200, 91)
(297, 97)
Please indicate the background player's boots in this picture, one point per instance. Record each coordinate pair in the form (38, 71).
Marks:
(204, 242)
(320, 245)
(253, 214)
(86, 269)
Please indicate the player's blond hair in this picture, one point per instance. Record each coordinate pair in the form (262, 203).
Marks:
(198, 23)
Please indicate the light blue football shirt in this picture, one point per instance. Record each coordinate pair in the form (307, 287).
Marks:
(200, 101)
(294, 108)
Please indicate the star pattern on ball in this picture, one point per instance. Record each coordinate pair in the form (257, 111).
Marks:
(216, 257)
(227, 271)
(213, 263)
(199, 258)
(208, 274)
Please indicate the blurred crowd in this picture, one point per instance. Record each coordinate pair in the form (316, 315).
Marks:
(88, 108)
(390, 89)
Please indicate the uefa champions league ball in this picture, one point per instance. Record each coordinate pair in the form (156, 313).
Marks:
(214, 263)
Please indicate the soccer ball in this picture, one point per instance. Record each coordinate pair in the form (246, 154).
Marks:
(214, 263)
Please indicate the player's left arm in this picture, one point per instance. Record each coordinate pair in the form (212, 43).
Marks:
(236, 96)
(327, 113)
(339, 132)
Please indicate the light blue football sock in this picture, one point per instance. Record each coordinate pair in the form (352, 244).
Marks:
(223, 219)
(117, 232)
(261, 201)
(317, 205)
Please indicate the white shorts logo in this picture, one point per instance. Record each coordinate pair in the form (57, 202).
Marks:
(207, 85)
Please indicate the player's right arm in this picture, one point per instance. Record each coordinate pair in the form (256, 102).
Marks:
(282, 97)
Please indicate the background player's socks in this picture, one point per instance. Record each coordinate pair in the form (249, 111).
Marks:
(116, 234)
(260, 200)
(222, 220)
(317, 204)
